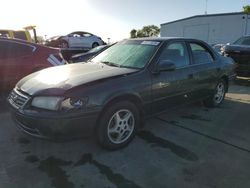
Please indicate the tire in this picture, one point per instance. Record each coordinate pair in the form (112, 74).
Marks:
(63, 44)
(117, 125)
(219, 94)
(95, 45)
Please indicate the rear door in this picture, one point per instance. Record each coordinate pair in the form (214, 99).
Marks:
(204, 69)
(171, 88)
(15, 61)
(74, 40)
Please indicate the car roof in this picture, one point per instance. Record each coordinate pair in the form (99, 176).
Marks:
(164, 39)
(24, 42)
(80, 32)
(15, 40)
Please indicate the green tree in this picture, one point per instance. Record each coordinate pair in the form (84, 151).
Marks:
(246, 9)
(146, 31)
(133, 33)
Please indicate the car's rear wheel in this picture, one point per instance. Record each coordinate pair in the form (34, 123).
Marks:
(95, 45)
(219, 94)
(117, 125)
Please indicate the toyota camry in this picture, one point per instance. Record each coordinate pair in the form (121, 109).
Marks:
(112, 95)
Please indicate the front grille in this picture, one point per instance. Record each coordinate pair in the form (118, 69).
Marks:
(18, 99)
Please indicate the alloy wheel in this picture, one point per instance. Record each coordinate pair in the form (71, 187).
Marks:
(121, 125)
(220, 92)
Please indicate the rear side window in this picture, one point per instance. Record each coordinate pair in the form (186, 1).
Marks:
(201, 55)
(14, 50)
(177, 53)
(86, 35)
(20, 35)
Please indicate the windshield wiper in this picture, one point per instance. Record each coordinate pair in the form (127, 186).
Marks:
(117, 65)
(110, 64)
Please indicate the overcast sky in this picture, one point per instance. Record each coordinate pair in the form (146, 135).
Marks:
(106, 18)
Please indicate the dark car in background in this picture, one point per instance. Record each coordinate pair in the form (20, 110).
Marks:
(240, 52)
(84, 57)
(18, 58)
(112, 95)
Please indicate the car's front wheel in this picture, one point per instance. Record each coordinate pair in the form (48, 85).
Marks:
(95, 45)
(219, 94)
(118, 125)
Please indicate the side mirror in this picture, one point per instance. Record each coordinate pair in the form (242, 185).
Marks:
(165, 65)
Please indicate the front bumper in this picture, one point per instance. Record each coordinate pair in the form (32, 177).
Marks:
(62, 128)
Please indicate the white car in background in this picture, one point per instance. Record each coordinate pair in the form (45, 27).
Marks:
(78, 39)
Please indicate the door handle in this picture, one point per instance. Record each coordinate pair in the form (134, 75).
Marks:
(163, 84)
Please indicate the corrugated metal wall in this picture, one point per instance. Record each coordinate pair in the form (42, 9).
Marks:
(212, 29)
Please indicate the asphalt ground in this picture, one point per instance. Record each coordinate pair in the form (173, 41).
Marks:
(191, 146)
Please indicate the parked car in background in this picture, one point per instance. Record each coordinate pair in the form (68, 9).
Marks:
(111, 95)
(217, 47)
(240, 52)
(77, 39)
(84, 57)
(19, 58)
(20, 34)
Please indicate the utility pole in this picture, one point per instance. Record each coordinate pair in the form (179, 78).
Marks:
(206, 7)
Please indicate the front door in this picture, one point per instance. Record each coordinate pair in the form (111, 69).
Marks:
(171, 88)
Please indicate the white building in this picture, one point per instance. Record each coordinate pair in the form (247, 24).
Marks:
(212, 28)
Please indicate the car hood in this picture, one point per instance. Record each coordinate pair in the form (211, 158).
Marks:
(57, 80)
(237, 48)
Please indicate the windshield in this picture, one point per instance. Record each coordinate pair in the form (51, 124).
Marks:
(130, 53)
(243, 41)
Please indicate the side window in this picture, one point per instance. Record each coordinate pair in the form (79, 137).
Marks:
(20, 35)
(86, 35)
(177, 53)
(14, 50)
(200, 54)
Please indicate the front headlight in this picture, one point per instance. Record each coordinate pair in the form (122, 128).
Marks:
(73, 103)
(49, 103)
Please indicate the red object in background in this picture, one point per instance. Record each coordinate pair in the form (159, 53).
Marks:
(19, 58)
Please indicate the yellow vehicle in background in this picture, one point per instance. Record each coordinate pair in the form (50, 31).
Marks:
(19, 34)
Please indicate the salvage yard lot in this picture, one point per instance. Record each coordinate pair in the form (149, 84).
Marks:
(192, 146)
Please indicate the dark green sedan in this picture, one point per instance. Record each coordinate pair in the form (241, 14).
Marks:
(112, 95)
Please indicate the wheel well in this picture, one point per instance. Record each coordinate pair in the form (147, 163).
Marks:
(95, 43)
(225, 78)
(131, 98)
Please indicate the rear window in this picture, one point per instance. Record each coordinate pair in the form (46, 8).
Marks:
(13, 50)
